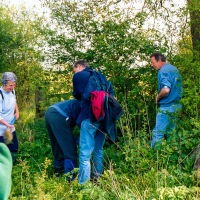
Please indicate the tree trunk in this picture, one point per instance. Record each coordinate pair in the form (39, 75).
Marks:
(38, 97)
(194, 10)
(196, 156)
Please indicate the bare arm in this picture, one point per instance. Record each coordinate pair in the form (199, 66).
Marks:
(16, 111)
(5, 123)
(164, 92)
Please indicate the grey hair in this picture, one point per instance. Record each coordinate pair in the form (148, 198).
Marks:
(8, 76)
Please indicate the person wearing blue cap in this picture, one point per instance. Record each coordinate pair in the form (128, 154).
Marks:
(9, 112)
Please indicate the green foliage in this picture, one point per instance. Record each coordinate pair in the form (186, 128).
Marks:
(189, 67)
(132, 169)
(18, 55)
(115, 40)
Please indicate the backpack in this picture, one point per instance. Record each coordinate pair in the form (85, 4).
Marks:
(112, 110)
(97, 82)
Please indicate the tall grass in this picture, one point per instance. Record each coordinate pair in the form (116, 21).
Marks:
(132, 169)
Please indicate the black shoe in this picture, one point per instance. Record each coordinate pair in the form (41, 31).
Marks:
(70, 176)
(94, 181)
(59, 170)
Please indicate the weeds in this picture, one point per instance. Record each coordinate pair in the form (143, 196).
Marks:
(132, 169)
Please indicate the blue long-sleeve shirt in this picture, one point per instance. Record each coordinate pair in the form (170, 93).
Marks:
(68, 108)
(169, 76)
(80, 80)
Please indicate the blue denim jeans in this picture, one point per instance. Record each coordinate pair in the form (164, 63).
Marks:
(165, 121)
(91, 146)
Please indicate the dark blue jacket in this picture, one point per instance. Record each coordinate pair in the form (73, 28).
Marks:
(81, 90)
(80, 80)
(69, 108)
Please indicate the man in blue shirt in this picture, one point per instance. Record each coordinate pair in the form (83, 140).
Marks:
(169, 95)
(60, 119)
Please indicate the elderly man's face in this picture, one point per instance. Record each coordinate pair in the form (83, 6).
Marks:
(156, 64)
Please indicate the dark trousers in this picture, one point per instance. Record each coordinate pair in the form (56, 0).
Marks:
(60, 130)
(13, 146)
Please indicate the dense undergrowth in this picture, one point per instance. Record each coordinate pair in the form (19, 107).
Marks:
(132, 169)
(119, 45)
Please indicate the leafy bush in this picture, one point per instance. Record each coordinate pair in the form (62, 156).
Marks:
(132, 169)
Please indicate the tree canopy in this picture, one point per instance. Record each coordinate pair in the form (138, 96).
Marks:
(117, 36)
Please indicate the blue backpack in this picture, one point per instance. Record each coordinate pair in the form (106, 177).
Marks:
(97, 82)
(112, 108)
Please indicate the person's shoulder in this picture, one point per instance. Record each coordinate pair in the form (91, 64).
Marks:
(71, 101)
(77, 75)
(167, 67)
(81, 75)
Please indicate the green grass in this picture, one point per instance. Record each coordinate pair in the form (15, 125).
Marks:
(132, 169)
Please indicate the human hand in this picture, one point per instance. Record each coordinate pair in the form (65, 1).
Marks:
(17, 115)
(10, 126)
(157, 99)
(8, 136)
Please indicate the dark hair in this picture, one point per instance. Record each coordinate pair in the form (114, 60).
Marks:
(81, 62)
(158, 56)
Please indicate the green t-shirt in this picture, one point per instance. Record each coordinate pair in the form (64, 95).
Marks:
(5, 171)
